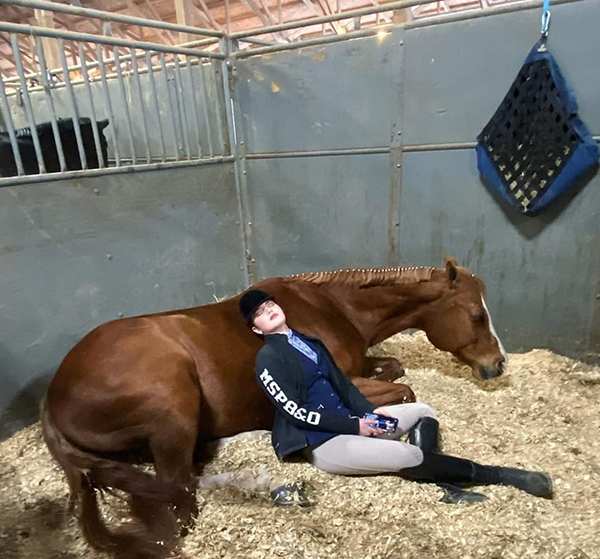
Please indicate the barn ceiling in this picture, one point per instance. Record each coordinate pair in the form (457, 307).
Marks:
(221, 15)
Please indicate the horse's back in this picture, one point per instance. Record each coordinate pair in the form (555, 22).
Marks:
(126, 374)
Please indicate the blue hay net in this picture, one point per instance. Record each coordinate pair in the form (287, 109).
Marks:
(535, 146)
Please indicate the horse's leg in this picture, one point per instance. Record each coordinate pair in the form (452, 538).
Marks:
(173, 451)
(382, 368)
(383, 393)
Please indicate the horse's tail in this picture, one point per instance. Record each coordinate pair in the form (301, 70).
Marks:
(155, 533)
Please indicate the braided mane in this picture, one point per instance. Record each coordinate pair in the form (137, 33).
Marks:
(367, 277)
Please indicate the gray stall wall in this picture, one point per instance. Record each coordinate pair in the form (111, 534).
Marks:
(77, 253)
(432, 85)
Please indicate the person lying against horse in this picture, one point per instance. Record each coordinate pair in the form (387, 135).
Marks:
(319, 414)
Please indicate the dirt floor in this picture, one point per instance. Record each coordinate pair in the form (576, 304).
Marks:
(544, 413)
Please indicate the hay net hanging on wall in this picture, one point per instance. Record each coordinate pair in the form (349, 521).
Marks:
(535, 146)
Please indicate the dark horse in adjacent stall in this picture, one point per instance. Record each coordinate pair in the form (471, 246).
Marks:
(169, 382)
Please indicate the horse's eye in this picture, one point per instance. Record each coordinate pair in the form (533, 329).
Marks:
(479, 318)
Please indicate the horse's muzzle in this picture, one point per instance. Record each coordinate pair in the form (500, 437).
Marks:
(487, 373)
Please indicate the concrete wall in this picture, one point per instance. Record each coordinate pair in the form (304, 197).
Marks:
(77, 253)
(433, 86)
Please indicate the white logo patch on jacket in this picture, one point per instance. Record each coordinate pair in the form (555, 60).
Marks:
(289, 406)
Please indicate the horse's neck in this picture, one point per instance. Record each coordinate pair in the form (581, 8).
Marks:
(382, 311)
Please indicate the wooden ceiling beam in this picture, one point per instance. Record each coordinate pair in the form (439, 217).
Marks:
(264, 19)
(156, 15)
(137, 11)
(45, 18)
(183, 15)
(209, 14)
(24, 54)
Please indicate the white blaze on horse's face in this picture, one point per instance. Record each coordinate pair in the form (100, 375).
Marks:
(493, 331)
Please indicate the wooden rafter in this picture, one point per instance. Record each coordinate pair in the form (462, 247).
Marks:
(183, 14)
(156, 15)
(263, 18)
(324, 5)
(229, 15)
(45, 18)
(385, 17)
(135, 10)
(208, 15)
(336, 28)
(24, 54)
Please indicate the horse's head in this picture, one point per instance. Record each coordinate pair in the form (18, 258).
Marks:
(459, 322)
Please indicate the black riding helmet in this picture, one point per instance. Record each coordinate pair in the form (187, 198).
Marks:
(250, 302)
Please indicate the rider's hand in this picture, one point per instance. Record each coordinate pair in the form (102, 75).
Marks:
(384, 412)
(368, 429)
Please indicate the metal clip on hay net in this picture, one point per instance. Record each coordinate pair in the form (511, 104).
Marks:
(546, 19)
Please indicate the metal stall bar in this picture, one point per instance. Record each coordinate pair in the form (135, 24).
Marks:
(50, 100)
(49, 177)
(217, 109)
(194, 108)
(238, 152)
(318, 153)
(505, 8)
(204, 42)
(181, 109)
(490, 11)
(88, 89)
(112, 17)
(156, 105)
(14, 41)
(126, 104)
(102, 39)
(74, 108)
(10, 128)
(311, 42)
(138, 83)
(242, 35)
(171, 105)
(205, 106)
(109, 110)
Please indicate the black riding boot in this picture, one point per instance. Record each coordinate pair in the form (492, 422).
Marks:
(425, 435)
(441, 467)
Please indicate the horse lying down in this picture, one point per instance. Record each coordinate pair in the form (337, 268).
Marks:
(168, 383)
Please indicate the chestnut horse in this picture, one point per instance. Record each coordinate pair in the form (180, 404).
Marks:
(168, 382)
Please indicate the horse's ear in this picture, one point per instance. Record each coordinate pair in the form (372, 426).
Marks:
(451, 268)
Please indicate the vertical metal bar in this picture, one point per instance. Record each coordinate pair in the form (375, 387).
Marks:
(217, 108)
(28, 108)
(126, 104)
(228, 18)
(108, 108)
(88, 88)
(74, 109)
(164, 69)
(136, 77)
(156, 105)
(205, 106)
(10, 128)
(183, 113)
(279, 13)
(238, 151)
(48, 92)
(194, 108)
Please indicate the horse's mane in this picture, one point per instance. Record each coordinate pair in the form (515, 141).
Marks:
(367, 277)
